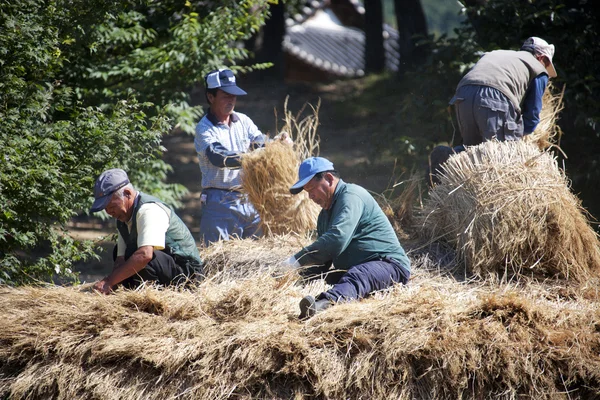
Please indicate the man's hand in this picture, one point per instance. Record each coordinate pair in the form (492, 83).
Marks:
(291, 262)
(284, 137)
(103, 286)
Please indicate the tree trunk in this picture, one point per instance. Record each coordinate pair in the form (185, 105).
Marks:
(267, 44)
(411, 22)
(374, 51)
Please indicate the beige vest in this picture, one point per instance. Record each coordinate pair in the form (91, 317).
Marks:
(509, 71)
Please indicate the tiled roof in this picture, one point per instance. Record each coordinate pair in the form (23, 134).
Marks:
(338, 51)
(331, 47)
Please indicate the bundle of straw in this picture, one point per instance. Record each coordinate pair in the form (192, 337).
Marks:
(508, 210)
(269, 173)
(548, 133)
(242, 258)
(267, 177)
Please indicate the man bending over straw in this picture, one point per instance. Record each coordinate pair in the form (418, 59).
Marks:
(500, 97)
(153, 244)
(354, 236)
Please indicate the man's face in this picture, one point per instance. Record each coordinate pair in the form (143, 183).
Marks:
(222, 103)
(119, 207)
(321, 191)
(543, 59)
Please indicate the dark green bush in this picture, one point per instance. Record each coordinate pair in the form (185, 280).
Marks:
(91, 85)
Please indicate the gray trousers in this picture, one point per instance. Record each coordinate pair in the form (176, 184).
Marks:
(484, 113)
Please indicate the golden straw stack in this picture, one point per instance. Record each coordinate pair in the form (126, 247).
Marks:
(267, 176)
(269, 173)
(433, 339)
(547, 132)
(508, 210)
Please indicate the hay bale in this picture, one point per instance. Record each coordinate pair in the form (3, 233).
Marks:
(269, 173)
(436, 338)
(548, 133)
(507, 209)
(267, 176)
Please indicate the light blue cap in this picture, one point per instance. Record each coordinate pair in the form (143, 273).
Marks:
(308, 169)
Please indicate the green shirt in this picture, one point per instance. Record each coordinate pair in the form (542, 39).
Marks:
(352, 231)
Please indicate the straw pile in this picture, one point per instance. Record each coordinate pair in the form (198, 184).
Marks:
(228, 260)
(548, 133)
(508, 211)
(268, 174)
(398, 204)
(433, 339)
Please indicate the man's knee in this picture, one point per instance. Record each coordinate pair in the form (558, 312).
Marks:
(161, 269)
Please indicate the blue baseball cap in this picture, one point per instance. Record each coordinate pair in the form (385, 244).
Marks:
(107, 183)
(223, 79)
(308, 169)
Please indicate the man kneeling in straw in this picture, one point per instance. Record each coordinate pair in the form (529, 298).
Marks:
(153, 244)
(354, 236)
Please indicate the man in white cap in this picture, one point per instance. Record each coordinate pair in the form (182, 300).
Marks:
(501, 96)
(222, 137)
(153, 243)
(357, 249)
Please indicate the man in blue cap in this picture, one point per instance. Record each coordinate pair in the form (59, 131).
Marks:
(222, 137)
(355, 238)
(153, 243)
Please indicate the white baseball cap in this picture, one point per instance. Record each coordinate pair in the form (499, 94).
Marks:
(223, 79)
(537, 46)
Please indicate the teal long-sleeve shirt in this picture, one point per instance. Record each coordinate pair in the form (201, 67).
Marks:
(352, 231)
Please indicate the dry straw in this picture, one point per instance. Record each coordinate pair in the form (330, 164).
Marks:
(240, 339)
(241, 258)
(269, 172)
(508, 210)
(548, 133)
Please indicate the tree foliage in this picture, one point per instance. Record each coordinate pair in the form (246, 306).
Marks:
(158, 50)
(91, 85)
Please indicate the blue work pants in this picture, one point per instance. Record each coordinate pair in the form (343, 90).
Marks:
(361, 279)
(225, 214)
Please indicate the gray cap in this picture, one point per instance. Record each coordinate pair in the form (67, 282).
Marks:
(107, 183)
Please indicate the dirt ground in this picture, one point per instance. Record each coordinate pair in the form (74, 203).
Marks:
(344, 139)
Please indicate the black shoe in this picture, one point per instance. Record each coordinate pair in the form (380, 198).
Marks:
(309, 306)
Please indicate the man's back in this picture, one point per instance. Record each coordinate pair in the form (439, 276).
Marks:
(509, 71)
(356, 230)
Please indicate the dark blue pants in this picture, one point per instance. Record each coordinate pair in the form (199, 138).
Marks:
(362, 279)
